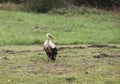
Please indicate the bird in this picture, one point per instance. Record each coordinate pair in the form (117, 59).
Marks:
(50, 47)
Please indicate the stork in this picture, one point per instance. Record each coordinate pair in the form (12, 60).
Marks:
(50, 48)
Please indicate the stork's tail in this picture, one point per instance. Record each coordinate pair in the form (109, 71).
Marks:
(54, 53)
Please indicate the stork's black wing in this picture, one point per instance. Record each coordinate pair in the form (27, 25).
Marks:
(54, 53)
(48, 52)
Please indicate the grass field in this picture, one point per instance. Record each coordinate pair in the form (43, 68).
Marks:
(88, 48)
(18, 28)
(74, 65)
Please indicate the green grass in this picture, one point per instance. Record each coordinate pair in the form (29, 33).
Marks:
(20, 28)
(21, 64)
(28, 65)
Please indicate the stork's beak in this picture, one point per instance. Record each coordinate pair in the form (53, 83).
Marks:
(51, 37)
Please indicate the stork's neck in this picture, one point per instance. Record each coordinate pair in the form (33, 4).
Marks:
(48, 39)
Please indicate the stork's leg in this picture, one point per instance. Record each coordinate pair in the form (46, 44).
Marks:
(49, 55)
(53, 57)
(48, 59)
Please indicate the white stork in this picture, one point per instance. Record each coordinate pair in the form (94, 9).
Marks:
(50, 48)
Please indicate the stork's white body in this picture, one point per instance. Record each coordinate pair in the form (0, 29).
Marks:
(49, 43)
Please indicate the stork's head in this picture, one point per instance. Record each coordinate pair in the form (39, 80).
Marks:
(49, 36)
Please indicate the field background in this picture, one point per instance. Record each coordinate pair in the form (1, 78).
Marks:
(88, 44)
(18, 28)
(86, 64)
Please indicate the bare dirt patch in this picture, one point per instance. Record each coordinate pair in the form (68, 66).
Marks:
(101, 55)
(102, 45)
(71, 47)
(5, 58)
(22, 51)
